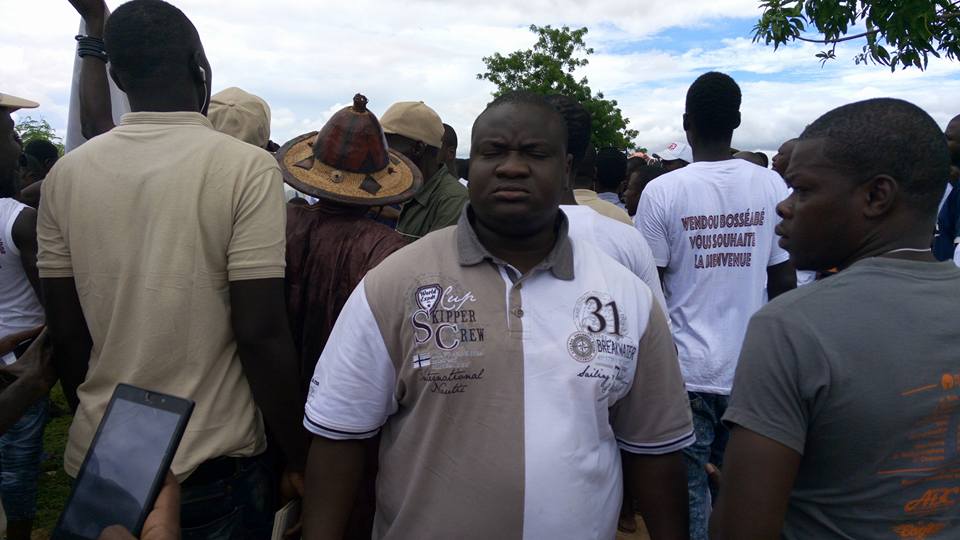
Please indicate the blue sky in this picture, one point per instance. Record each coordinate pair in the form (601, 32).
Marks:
(308, 59)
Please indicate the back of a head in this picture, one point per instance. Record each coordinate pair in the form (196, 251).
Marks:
(611, 168)
(42, 150)
(713, 106)
(150, 42)
(757, 158)
(646, 173)
(586, 170)
(449, 136)
(579, 124)
(887, 136)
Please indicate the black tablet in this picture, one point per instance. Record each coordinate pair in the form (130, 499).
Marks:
(126, 464)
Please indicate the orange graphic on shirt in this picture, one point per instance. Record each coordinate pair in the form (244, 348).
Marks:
(948, 381)
(933, 500)
(918, 531)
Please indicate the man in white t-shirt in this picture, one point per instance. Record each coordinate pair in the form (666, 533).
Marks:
(21, 319)
(711, 228)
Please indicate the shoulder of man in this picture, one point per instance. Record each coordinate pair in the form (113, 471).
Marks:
(415, 258)
(450, 187)
(591, 261)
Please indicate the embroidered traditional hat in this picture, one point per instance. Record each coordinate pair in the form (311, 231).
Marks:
(348, 161)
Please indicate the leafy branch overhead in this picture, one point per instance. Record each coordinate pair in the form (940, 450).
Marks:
(549, 68)
(894, 33)
(29, 129)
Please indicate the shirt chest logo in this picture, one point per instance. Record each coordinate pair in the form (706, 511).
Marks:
(443, 320)
(602, 329)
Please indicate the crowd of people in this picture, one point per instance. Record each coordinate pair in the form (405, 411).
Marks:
(547, 340)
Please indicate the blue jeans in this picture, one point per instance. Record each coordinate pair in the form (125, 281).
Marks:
(239, 506)
(712, 438)
(21, 451)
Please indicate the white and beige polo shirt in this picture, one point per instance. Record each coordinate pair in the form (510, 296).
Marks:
(502, 398)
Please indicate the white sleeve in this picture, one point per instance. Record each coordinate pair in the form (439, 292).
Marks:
(651, 220)
(642, 264)
(777, 253)
(352, 390)
(956, 254)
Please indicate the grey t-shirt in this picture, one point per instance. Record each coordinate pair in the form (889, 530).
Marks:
(860, 373)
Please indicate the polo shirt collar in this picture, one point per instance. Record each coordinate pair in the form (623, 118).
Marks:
(585, 194)
(471, 252)
(168, 118)
(431, 185)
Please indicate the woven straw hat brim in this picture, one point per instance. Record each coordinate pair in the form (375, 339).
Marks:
(398, 181)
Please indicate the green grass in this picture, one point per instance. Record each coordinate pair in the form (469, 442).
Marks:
(54, 483)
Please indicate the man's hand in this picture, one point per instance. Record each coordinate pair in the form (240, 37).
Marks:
(163, 523)
(91, 11)
(36, 364)
(10, 342)
(291, 487)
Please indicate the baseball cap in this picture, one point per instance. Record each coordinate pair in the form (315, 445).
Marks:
(241, 115)
(676, 150)
(414, 120)
(13, 102)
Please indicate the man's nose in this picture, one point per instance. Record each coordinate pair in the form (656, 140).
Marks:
(513, 166)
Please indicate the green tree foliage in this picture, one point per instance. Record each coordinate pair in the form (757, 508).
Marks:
(548, 68)
(30, 129)
(901, 33)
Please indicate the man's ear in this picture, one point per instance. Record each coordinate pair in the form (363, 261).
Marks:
(419, 148)
(880, 194)
(737, 124)
(116, 79)
(202, 79)
(686, 122)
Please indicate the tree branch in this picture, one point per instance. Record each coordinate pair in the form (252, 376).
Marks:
(838, 40)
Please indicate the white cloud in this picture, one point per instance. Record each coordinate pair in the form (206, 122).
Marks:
(308, 59)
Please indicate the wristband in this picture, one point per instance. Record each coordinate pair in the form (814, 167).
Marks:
(91, 46)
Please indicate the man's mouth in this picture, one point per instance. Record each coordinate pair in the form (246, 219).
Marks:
(510, 192)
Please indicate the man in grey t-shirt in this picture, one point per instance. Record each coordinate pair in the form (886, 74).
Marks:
(845, 410)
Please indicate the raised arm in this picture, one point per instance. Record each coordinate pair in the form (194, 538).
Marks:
(96, 115)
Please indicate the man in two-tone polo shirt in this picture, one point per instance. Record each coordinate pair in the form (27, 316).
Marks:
(503, 363)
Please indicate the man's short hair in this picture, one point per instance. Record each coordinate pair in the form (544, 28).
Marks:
(713, 105)
(887, 136)
(148, 40)
(525, 97)
(585, 173)
(579, 124)
(42, 150)
(611, 168)
(449, 136)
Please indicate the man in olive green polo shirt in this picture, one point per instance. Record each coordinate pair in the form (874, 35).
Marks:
(416, 131)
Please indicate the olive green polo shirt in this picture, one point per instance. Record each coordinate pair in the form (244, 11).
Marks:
(435, 206)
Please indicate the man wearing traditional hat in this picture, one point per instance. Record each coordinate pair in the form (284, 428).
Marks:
(21, 319)
(416, 131)
(331, 244)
